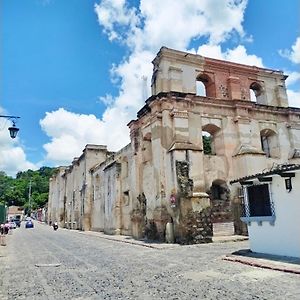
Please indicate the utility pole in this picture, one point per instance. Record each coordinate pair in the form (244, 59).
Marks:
(29, 197)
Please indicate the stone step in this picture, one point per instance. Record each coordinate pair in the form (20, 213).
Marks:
(223, 229)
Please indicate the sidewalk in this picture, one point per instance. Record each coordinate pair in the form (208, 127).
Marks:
(3, 248)
(266, 261)
(155, 244)
(130, 240)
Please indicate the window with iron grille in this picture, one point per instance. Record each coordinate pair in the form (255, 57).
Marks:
(258, 204)
(259, 200)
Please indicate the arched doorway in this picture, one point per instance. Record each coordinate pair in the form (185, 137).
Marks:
(222, 220)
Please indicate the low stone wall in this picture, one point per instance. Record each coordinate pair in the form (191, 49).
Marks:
(195, 228)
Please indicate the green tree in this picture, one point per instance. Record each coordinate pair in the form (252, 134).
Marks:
(15, 191)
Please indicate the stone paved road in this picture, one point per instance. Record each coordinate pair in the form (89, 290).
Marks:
(94, 268)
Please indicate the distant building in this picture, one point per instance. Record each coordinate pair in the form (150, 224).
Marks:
(199, 130)
(70, 190)
(13, 211)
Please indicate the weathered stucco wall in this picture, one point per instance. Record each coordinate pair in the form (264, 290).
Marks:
(56, 198)
(178, 71)
(165, 175)
(112, 195)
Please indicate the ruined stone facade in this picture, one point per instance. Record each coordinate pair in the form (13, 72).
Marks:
(166, 174)
(70, 193)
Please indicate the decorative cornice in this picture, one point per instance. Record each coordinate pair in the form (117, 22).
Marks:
(241, 120)
(247, 149)
(179, 114)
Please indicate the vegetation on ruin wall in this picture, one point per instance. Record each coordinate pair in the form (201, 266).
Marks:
(207, 144)
(15, 191)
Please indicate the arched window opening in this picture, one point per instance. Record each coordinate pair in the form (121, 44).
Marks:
(207, 143)
(256, 92)
(200, 89)
(212, 140)
(269, 142)
(252, 96)
(204, 86)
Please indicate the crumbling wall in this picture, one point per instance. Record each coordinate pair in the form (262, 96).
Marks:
(185, 184)
(138, 217)
(152, 228)
(155, 228)
(195, 227)
(193, 222)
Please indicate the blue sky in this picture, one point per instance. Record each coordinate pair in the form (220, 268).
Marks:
(72, 69)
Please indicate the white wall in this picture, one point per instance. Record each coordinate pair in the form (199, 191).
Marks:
(283, 238)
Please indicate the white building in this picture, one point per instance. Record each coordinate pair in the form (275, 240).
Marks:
(271, 210)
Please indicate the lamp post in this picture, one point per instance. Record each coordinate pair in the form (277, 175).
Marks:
(29, 198)
(13, 130)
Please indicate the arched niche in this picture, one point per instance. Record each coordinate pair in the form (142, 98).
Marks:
(147, 147)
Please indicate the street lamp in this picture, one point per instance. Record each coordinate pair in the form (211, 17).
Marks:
(13, 130)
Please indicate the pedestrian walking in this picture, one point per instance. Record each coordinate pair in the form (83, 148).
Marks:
(7, 227)
(2, 235)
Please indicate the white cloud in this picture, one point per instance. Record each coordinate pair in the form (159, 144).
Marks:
(107, 100)
(111, 12)
(12, 154)
(293, 94)
(294, 98)
(171, 23)
(293, 78)
(238, 54)
(70, 132)
(143, 30)
(293, 54)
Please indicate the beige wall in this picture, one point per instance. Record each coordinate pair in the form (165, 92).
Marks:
(112, 190)
(70, 190)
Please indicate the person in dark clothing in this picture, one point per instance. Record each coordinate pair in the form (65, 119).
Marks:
(6, 227)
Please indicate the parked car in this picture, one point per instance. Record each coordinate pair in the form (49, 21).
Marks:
(18, 222)
(29, 224)
(17, 219)
(12, 225)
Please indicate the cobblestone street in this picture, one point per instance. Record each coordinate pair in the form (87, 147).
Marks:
(40, 263)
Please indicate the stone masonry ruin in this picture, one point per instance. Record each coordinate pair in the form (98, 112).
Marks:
(167, 178)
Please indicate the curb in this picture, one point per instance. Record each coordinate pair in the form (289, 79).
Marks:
(270, 266)
(229, 239)
(161, 246)
(137, 243)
